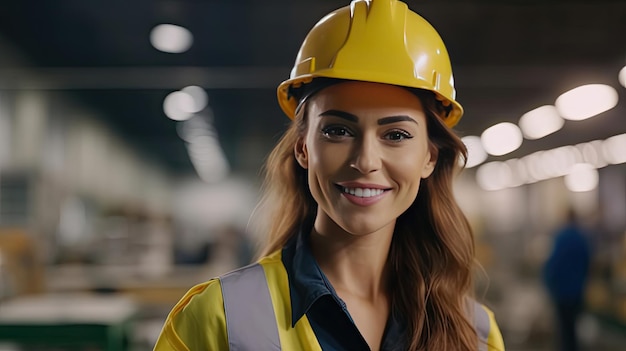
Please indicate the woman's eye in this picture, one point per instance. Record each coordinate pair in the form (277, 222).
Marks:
(331, 132)
(397, 135)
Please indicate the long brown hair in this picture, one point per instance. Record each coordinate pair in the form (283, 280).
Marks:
(432, 251)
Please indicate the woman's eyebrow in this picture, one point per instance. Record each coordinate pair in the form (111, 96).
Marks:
(341, 114)
(394, 119)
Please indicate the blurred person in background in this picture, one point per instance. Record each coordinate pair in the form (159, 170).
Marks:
(565, 275)
(366, 247)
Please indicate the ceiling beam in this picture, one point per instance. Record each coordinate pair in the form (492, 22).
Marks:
(256, 77)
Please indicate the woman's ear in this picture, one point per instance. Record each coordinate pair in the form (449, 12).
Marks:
(429, 166)
(301, 153)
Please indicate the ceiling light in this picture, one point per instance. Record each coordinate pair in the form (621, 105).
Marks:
(208, 158)
(193, 127)
(572, 161)
(540, 122)
(613, 149)
(557, 162)
(199, 96)
(586, 101)
(519, 173)
(475, 152)
(494, 176)
(171, 38)
(177, 104)
(622, 77)
(501, 139)
(582, 177)
(592, 153)
(532, 164)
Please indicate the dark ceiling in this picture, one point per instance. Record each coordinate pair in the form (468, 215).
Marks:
(508, 56)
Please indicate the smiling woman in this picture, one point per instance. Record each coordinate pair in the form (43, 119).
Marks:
(366, 247)
(364, 138)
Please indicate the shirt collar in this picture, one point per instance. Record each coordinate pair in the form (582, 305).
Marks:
(307, 282)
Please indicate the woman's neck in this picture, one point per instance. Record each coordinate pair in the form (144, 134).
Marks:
(354, 264)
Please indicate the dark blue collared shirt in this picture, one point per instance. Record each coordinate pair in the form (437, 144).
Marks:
(313, 295)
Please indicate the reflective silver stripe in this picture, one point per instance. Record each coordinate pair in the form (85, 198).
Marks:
(482, 325)
(250, 319)
(251, 322)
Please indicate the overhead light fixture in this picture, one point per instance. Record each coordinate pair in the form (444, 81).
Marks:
(613, 149)
(494, 176)
(540, 122)
(177, 105)
(622, 77)
(171, 38)
(519, 172)
(194, 127)
(199, 96)
(592, 153)
(475, 152)
(208, 158)
(586, 101)
(501, 139)
(557, 162)
(572, 161)
(582, 177)
(181, 105)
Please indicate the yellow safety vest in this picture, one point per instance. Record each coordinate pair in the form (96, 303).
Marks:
(226, 314)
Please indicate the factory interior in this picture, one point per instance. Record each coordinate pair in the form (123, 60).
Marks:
(133, 136)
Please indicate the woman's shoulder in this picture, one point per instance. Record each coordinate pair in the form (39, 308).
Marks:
(487, 328)
(272, 258)
(197, 321)
(204, 295)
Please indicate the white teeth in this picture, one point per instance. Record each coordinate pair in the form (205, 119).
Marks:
(362, 192)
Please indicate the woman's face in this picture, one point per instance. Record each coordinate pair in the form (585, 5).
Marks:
(366, 149)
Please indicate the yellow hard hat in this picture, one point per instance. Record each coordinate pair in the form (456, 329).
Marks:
(378, 41)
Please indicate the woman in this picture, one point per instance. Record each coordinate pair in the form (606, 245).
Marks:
(367, 248)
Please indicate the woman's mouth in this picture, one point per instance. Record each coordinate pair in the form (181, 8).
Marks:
(362, 192)
(364, 195)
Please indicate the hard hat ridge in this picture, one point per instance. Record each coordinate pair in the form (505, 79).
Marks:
(375, 39)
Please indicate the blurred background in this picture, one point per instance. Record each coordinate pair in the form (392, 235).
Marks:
(133, 134)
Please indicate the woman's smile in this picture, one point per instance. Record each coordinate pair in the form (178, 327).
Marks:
(362, 194)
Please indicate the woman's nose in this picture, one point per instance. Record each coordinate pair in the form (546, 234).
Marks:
(366, 157)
